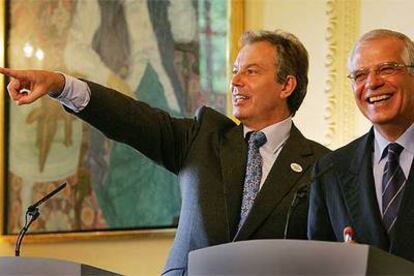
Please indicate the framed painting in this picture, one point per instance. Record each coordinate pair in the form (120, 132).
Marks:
(169, 54)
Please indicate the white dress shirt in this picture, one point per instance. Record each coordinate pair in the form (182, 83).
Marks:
(276, 135)
(379, 159)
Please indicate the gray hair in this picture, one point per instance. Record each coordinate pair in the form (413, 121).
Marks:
(383, 33)
(291, 58)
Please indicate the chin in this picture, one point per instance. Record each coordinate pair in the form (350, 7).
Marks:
(381, 120)
(236, 114)
(242, 114)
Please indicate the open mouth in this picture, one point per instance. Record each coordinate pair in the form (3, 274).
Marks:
(239, 98)
(377, 99)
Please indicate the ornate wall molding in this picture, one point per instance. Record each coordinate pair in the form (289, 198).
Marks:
(342, 31)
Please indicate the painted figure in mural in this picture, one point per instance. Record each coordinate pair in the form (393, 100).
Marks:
(143, 34)
(232, 190)
(371, 184)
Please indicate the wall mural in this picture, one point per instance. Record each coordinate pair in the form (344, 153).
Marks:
(170, 54)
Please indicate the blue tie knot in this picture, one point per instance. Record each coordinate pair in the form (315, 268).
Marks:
(258, 138)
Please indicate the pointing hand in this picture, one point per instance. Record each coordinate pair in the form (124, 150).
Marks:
(26, 86)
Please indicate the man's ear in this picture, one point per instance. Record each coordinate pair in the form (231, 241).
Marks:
(288, 87)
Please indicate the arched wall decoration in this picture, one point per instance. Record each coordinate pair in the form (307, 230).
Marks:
(342, 31)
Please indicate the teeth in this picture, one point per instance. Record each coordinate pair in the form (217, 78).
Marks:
(239, 97)
(378, 98)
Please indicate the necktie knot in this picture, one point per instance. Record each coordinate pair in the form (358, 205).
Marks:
(394, 150)
(257, 138)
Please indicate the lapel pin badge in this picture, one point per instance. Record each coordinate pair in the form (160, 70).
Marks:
(296, 167)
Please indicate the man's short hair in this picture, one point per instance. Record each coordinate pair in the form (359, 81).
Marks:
(383, 33)
(291, 58)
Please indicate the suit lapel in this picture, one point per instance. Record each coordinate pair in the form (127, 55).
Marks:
(280, 181)
(233, 157)
(359, 193)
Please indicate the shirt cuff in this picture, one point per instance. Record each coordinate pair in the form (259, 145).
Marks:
(75, 95)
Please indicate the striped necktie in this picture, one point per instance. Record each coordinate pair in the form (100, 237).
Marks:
(253, 173)
(393, 183)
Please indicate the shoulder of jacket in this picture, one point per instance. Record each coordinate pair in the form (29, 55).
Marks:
(212, 118)
(347, 152)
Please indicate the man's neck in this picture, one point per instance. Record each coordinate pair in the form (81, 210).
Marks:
(286, 123)
(392, 132)
(256, 126)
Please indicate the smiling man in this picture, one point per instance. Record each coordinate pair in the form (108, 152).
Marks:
(237, 181)
(371, 185)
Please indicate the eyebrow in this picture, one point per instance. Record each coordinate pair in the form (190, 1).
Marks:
(248, 65)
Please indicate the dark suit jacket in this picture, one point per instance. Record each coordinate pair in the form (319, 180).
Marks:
(208, 153)
(345, 196)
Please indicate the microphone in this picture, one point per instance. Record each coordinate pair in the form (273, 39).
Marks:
(348, 234)
(33, 213)
(46, 197)
(301, 193)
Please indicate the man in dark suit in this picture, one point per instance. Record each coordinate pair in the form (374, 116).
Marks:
(370, 186)
(225, 197)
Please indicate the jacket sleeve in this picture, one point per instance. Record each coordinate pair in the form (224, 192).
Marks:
(153, 132)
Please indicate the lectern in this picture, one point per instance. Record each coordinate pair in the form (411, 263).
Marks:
(295, 257)
(43, 266)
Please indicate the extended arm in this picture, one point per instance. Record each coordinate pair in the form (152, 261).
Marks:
(153, 132)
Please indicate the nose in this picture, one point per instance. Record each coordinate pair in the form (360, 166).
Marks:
(373, 80)
(236, 80)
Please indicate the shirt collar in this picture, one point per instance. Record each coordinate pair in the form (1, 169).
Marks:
(406, 140)
(276, 134)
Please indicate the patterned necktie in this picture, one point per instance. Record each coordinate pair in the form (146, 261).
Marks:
(253, 173)
(393, 183)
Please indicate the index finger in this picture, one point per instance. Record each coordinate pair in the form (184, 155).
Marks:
(12, 73)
